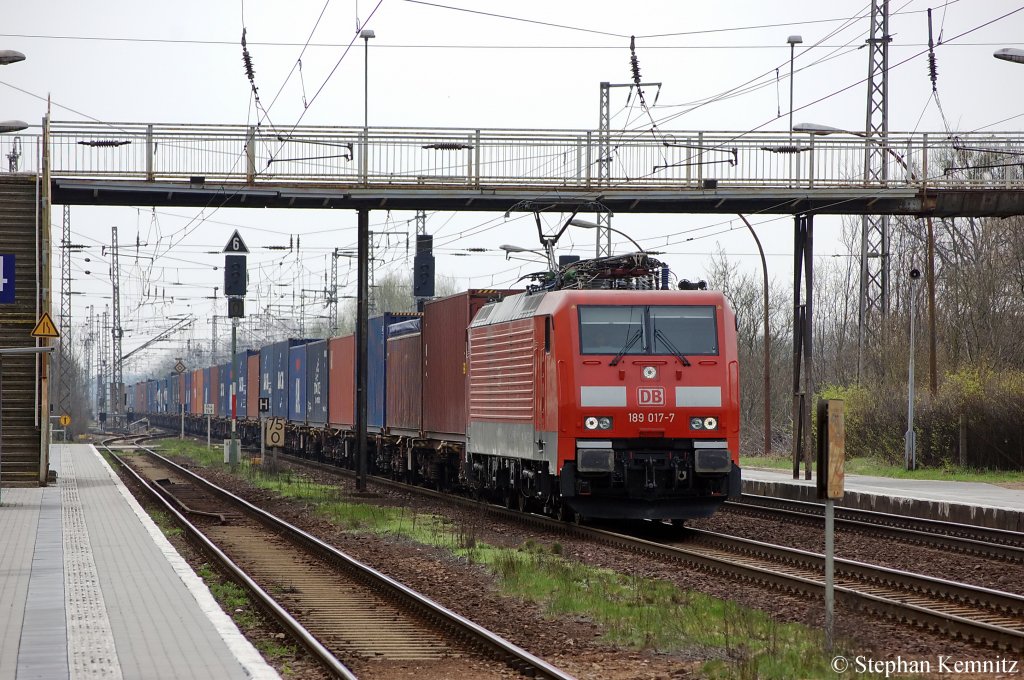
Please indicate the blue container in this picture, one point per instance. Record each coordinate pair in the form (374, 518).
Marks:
(151, 388)
(241, 363)
(187, 397)
(224, 391)
(376, 368)
(163, 394)
(209, 391)
(174, 393)
(317, 383)
(297, 384)
(129, 399)
(275, 382)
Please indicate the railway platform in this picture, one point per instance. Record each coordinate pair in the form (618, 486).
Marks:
(90, 587)
(982, 504)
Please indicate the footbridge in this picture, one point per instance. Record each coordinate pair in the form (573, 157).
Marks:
(814, 172)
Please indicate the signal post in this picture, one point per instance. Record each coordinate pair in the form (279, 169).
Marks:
(235, 282)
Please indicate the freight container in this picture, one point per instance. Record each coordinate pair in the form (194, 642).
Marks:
(162, 393)
(197, 391)
(152, 396)
(252, 406)
(182, 394)
(341, 364)
(317, 387)
(297, 383)
(376, 364)
(224, 390)
(173, 392)
(241, 365)
(140, 397)
(445, 340)
(187, 391)
(274, 377)
(209, 387)
(405, 381)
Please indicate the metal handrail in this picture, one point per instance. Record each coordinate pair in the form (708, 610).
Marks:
(391, 157)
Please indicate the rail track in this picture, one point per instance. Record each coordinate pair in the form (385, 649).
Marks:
(348, 615)
(982, 615)
(962, 538)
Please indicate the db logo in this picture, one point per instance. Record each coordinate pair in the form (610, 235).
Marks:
(650, 396)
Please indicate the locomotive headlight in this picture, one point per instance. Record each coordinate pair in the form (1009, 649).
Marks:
(597, 423)
(710, 423)
(650, 372)
(696, 423)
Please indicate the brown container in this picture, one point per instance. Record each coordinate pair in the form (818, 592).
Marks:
(404, 386)
(341, 365)
(252, 387)
(140, 397)
(445, 323)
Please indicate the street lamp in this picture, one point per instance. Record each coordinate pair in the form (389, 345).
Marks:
(820, 130)
(10, 57)
(910, 441)
(1010, 54)
(577, 222)
(793, 41)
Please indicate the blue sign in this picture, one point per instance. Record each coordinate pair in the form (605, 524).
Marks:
(6, 279)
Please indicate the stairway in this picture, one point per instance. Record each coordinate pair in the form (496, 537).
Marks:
(19, 434)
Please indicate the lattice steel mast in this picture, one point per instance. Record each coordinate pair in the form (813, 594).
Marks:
(87, 363)
(64, 366)
(874, 245)
(102, 388)
(116, 334)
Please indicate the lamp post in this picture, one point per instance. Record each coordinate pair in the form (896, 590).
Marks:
(767, 345)
(793, 41)
(910, 441)
(366, 34)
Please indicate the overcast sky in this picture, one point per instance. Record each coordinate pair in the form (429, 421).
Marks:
(524, 64)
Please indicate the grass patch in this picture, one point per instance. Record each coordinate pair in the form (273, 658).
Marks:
(648, 613)
(167, 525)
(232, 597)
(877, 468)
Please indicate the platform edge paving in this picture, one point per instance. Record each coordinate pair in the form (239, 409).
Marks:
(988, 516)
(248, 657)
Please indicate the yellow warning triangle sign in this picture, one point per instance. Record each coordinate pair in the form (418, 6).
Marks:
(45, 328)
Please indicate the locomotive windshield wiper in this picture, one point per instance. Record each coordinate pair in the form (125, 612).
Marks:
(671, 348)
(632, 341)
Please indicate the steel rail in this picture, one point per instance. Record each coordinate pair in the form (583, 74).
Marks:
(268, 603)
(802, 573)
(964, 538)
(513, 655)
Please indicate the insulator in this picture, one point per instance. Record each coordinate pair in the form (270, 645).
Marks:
(247, 61)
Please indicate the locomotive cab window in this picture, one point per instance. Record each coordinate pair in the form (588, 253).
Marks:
(606, 330)
(648, 329)
(691, 329)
